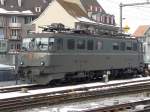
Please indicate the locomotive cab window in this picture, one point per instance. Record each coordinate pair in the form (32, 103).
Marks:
(90, 44)
(42, 44)
(35, 44)
(81, 44)
(71, 44)
(25, 44)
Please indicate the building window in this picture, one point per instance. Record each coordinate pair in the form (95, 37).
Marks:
(38, 9)
(100, 9)
(14, 19)
(107, 20)
(71, 44)
(28, 20)
(112, 20)
(98, 18)
(14, 32)
(18, 46)
(101, 18)
(12, 46)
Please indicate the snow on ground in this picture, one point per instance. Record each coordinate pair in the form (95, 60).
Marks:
(89, 104)
(83, 19)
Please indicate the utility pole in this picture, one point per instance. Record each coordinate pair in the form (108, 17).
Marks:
(125, 5)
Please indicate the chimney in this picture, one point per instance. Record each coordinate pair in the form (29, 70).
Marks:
(2, 2)
(19, 3)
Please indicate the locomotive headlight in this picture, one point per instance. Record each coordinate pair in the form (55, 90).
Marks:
(42, 63)
(21, 63)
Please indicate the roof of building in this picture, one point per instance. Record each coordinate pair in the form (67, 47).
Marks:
(141, 30)
(88, 3)
(72, 8)
(26, 5)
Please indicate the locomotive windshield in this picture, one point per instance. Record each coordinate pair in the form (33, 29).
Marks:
(35, 44)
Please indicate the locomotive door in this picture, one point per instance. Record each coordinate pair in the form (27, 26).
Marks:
(81, 57)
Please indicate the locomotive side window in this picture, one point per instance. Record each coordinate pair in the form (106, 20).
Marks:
(99, 45)
(59, 44)
(81, 44)
(129, 46)
(115, 46)
(122, 46)
(90, 44)
(71, 44)
(135, 47)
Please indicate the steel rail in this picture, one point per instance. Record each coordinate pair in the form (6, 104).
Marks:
(118, 107)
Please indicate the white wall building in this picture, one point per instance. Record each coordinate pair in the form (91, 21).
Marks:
(74, 14)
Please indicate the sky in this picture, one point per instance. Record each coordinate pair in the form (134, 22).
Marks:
(133, 16)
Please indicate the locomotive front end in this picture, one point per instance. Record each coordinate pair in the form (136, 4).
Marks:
(33, 60)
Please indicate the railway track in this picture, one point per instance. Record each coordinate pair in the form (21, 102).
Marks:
(28, 100)
(121, 107)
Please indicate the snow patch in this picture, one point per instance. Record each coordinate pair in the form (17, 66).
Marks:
(27, 12)
(6, 67)
(4, 11)
(84, 19)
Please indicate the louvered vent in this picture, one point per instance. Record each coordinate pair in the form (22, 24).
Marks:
(19, 3)
(2, 2)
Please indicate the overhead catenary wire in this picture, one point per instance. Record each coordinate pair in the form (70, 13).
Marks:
(133, 14)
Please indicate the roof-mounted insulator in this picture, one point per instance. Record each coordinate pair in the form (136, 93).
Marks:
(55, 27)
